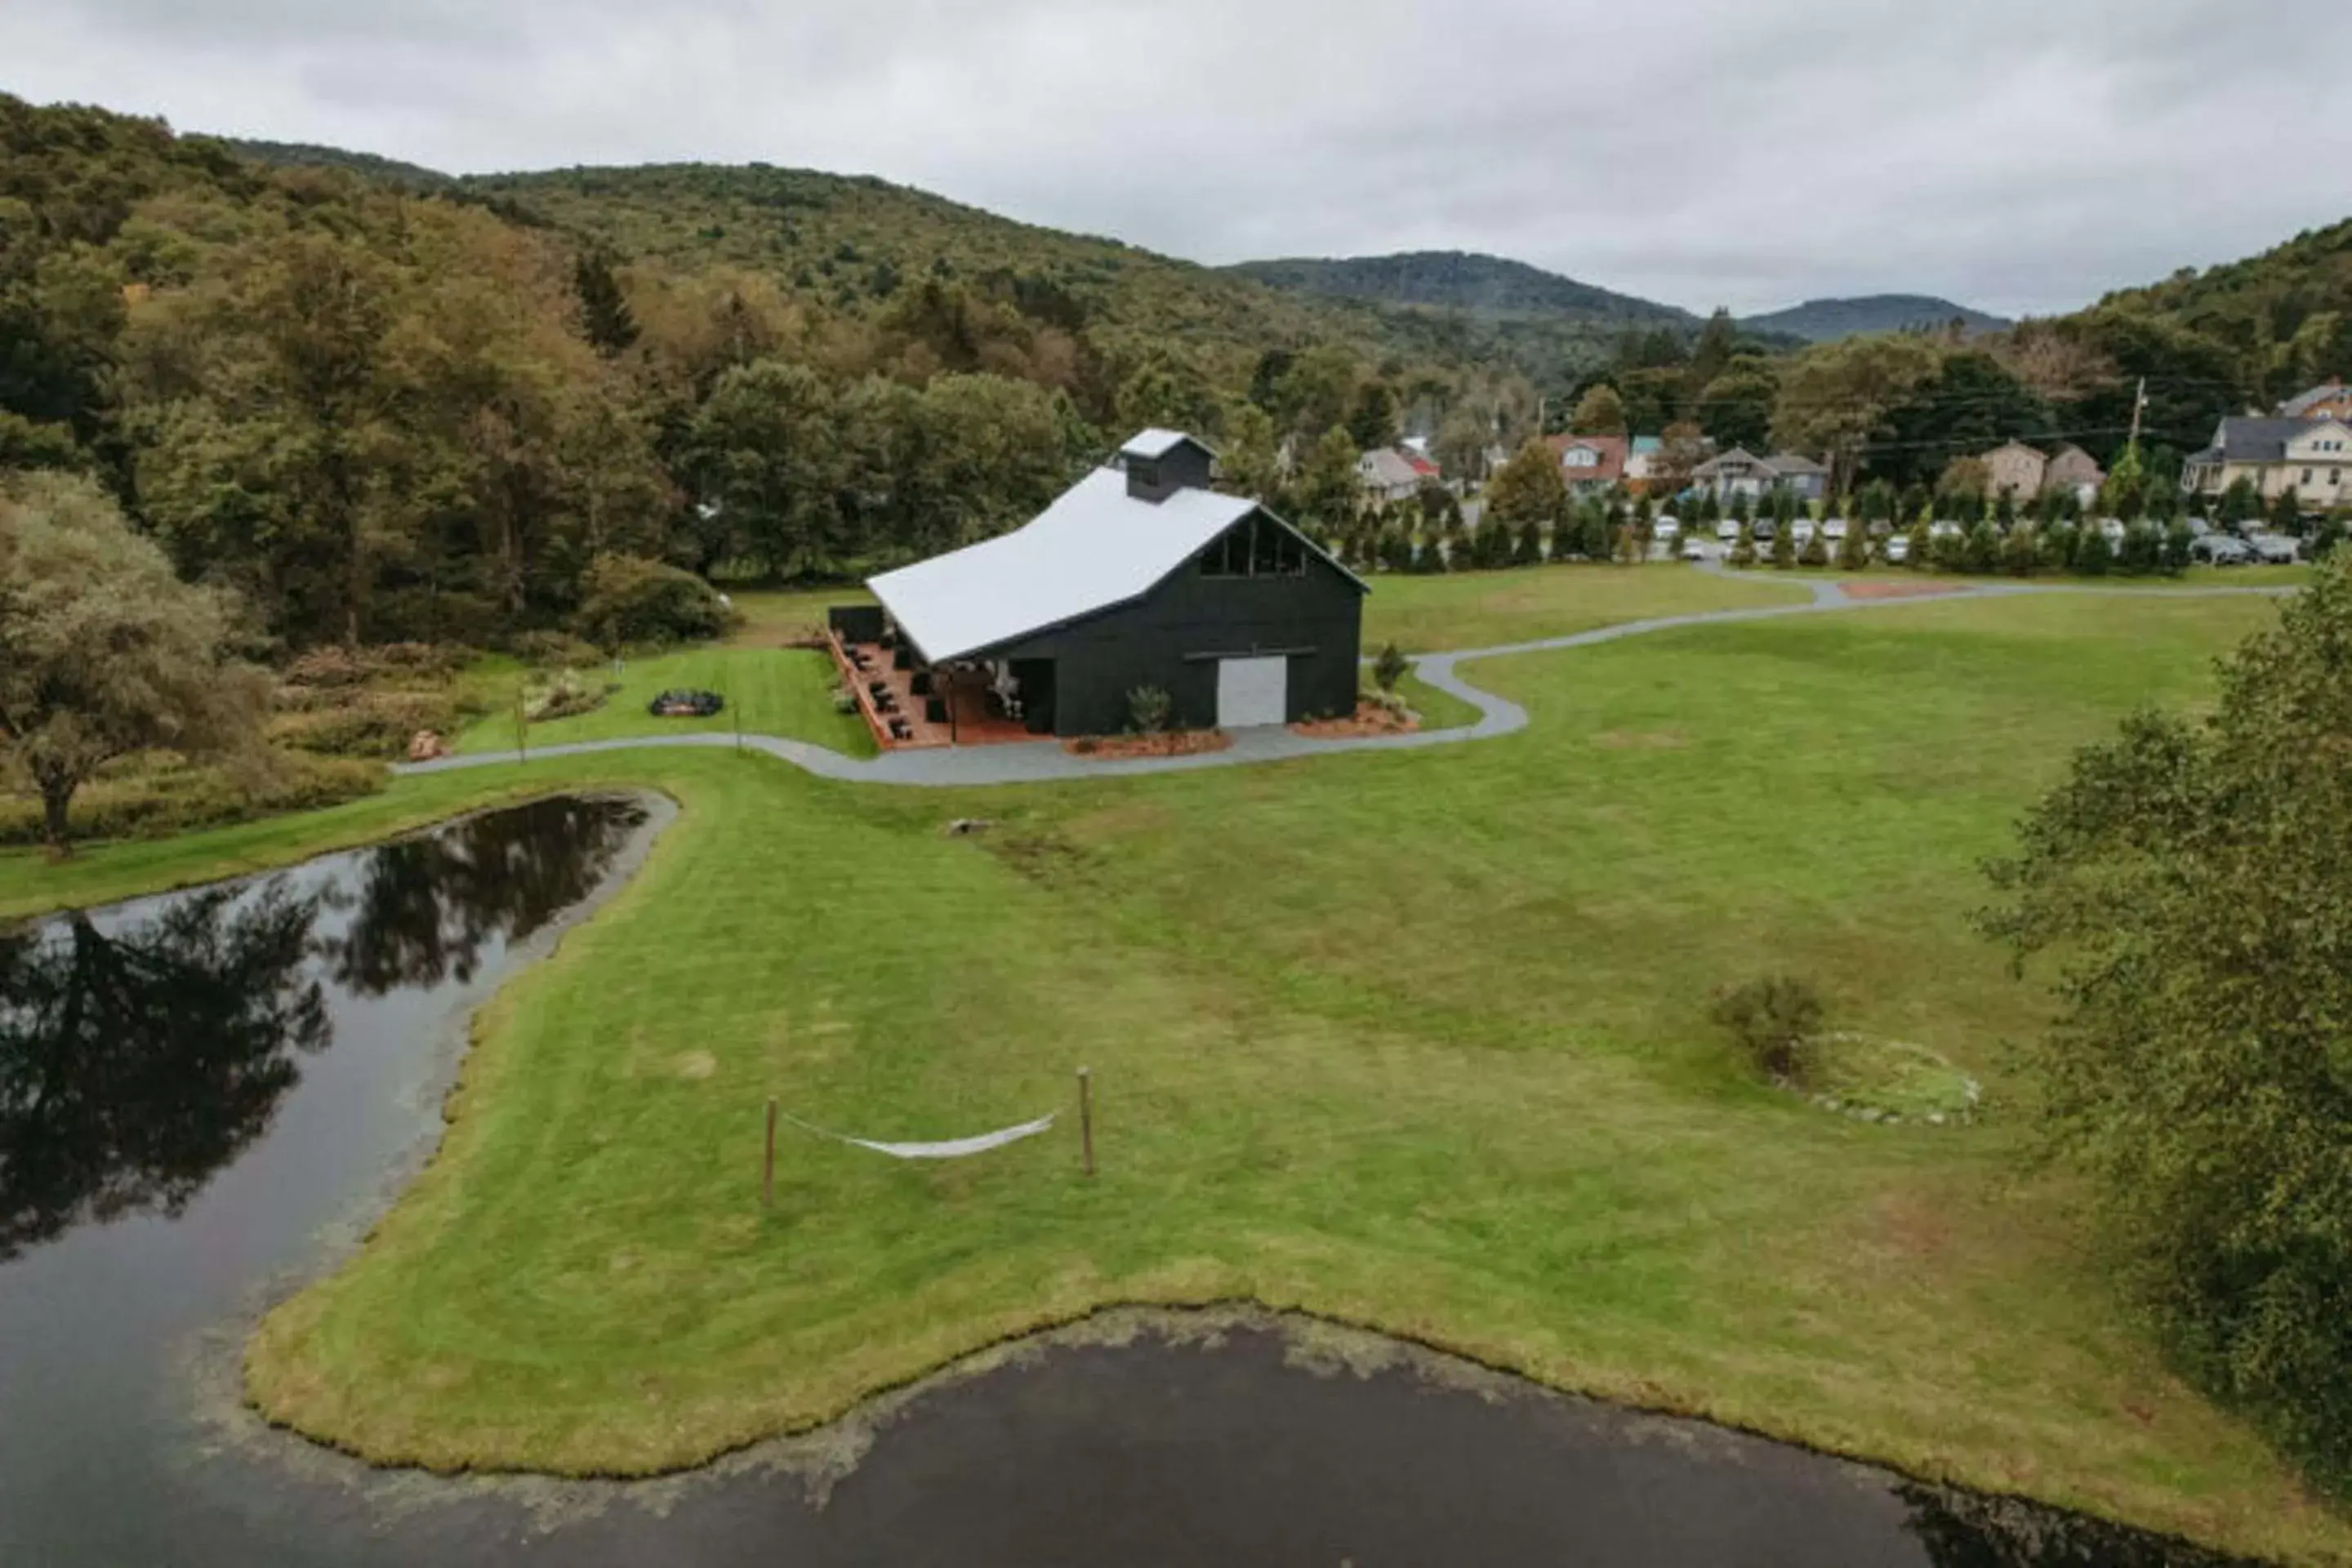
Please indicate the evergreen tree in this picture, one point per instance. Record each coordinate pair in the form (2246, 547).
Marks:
(2093, 551)
(1815, 550)
(1529, 549)
(2018, 554)
(2176, 541)
(2286, 513)
(1743, 550)
(1784, 540)
(604, 316)
(1854, 550)
(1920, 555)
(1600, 540)
(1982, 550)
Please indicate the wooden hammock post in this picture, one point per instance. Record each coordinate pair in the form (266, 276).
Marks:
(1086, 1123)
(768, 1161)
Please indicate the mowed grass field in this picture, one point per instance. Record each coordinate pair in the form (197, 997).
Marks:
(1486, 609)
(1411, 1039)
(771, 691)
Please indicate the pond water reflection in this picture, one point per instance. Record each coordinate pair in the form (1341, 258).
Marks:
(202, 1093)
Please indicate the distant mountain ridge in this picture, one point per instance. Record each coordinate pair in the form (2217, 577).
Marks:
(304, 155)
(1824, 320)
(1461, 280)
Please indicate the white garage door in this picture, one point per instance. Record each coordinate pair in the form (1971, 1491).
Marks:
(1252, 692)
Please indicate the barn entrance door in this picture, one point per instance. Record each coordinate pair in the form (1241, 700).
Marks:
(1252, 692)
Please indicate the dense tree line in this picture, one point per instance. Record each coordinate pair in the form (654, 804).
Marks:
(377, 412)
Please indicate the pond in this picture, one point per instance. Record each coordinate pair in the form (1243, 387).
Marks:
(205, 1096)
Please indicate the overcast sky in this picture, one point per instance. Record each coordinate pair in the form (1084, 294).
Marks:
(2019, 155)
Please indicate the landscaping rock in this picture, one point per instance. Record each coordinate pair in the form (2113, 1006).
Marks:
(427, 744)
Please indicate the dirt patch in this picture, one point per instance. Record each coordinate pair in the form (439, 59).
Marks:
(1895, 590)
(1174, 743)
(1370, 719)
(1640, 739)
(697, 1065)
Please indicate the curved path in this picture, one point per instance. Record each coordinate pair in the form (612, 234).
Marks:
(951, 766)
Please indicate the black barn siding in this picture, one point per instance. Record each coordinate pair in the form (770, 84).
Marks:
(1174, 635)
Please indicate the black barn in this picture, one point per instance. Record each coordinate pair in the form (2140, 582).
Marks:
(1141, 575)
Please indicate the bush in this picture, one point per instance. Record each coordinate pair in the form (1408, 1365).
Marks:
(631, 600)
(157, 795)
(555, 650)
(1390, 666)
(1774, 1021)
(359, 721)
(565, 695)
(1149, 709)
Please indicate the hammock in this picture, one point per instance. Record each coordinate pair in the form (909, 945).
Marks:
(954, 1148)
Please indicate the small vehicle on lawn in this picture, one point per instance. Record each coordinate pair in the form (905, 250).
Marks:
(2275, 549)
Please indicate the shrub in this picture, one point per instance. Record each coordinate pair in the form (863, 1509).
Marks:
(156, 794)
(1147, 710)
(1390, 666)
(565, 695)
(555, 649)
(359, 721)
(629, 599)
(1774, 1021)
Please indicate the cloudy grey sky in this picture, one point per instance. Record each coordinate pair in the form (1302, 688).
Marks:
(2020, 155)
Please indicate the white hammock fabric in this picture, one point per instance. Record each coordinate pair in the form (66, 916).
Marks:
(953, 1149)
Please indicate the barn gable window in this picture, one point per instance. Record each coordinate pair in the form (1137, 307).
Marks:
(1256, 547)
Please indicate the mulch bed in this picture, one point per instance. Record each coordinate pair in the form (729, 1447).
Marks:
(1369, 719)
(1175, 744)
(1896, 590)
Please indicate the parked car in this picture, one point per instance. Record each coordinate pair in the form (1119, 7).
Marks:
(1898, 549)
(1728, 531)
(2275, 549)
(2220, 549)
(1762, 530)
(1945, 527)
(1667, 527)
(1696, 549)
(1833, 529)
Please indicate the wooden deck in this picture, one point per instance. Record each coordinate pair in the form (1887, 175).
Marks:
(901, 720)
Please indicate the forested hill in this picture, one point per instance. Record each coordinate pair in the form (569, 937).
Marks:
(1825, 321)
(304, 155)
(2292, 305)
(379, 411)
(1462, 281)
(856, 244)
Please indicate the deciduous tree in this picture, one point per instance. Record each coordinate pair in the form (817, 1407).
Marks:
(103, 651)
(2188, 891)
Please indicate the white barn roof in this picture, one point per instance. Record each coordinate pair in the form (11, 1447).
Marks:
(1155, 443)
(1094, 547)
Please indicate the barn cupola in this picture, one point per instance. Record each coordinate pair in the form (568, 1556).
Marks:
(1158, 463)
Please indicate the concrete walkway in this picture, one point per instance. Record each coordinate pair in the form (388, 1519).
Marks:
(1045, 760)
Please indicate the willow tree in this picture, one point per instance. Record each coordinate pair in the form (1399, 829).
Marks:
(103, 651)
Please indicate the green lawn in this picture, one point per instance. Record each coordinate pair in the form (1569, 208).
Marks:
(1413, 1040)
(1484, 609)
(779, 691)
(771, 616)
